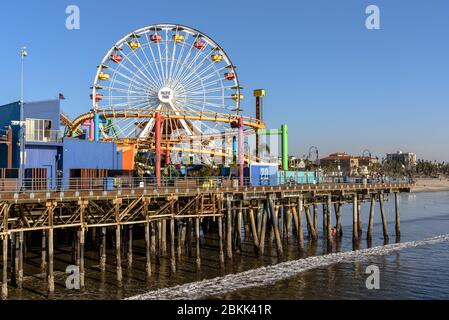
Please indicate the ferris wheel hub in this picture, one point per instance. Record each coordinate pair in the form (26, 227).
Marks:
(166, 95)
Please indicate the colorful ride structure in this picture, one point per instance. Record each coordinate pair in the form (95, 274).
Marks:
(178, 76)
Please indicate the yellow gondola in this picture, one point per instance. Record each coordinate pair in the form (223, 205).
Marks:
(237, 97)
(134, 45)
(217, 57)
(178, 38)
(103, 76)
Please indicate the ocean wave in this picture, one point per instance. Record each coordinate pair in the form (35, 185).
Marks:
(265, 276)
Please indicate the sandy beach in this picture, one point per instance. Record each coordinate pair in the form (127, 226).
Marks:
(431, 185)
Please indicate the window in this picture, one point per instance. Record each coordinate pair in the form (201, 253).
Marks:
(38, 130)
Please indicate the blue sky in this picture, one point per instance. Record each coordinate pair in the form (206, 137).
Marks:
(338, 85)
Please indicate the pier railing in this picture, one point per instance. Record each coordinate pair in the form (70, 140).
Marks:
(150, 183)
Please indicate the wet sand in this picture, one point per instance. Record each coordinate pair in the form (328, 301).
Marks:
(431, 185)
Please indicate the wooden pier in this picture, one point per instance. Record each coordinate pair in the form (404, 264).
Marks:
(172, 218)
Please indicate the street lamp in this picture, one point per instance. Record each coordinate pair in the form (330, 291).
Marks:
(23, 54)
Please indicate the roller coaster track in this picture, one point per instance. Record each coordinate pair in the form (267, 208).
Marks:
(168, 114)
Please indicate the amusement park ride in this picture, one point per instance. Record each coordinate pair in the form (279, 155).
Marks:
(170, 89)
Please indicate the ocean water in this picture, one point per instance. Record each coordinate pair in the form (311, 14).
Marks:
(409, 267)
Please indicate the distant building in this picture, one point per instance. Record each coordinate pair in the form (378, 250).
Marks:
(408, 159)
(346, 163)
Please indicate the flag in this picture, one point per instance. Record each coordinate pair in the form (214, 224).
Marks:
(24, 52)
(61, 96)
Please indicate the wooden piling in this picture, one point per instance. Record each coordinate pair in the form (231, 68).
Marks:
(324, 219)
(298, 220)
(275, 221)
(229, 228)
(51, 276)
(397, 215)
(20, 264)
(103, 249)
(44, 252)
(220, 239)
(16, 259)
(259, 216)
(383, 216)
(118, 249)
(82, 243)
(355, 232)
(254, 229)
(313, 232)
(315, 217)
(180, 237)
(359, 218)
(371, 218)
(198, 242)
(173, 245)
(264, 219)
(5, 267)
(153, 238)
(288, 222)
(83, 205)
(338, 207)
(164, 237)
(239, 230)
(129, 257)
(329, 219)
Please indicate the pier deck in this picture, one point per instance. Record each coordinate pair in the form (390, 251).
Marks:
(172, 217)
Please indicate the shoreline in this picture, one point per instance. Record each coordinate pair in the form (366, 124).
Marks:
(430, 185)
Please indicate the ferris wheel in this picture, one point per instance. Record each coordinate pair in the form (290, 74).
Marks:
(169, 69)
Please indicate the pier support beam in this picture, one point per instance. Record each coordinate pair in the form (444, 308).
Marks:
(338, 207)
(355, 232)
(220, 239)
(146, 203)
(384, 218)
(51, 276)
(20, 262)
(275, 221)
(103, 249)
(398, 215)
(173, 245)
(359, 218)
(5, 267)
(229, 228)
(329, 219)
(118, 250)
(198, 243)
(254, 229)
(129, 257)
(315, 217)
(371, 218)
(83, 205)
(313, 232)
(44, 252)
(298, 220)
(264, 219)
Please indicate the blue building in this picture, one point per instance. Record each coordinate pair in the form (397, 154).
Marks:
(45, 146)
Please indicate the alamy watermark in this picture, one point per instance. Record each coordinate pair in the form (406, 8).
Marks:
(73, 21)
(73, 281)
(373, 20)
(373, 280)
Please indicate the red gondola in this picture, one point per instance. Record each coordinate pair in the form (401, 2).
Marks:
(116, 58)
(230, 76)
(156, 38)
(98, 97)
(199, 45)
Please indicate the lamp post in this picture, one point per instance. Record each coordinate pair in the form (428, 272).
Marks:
(23, 55)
